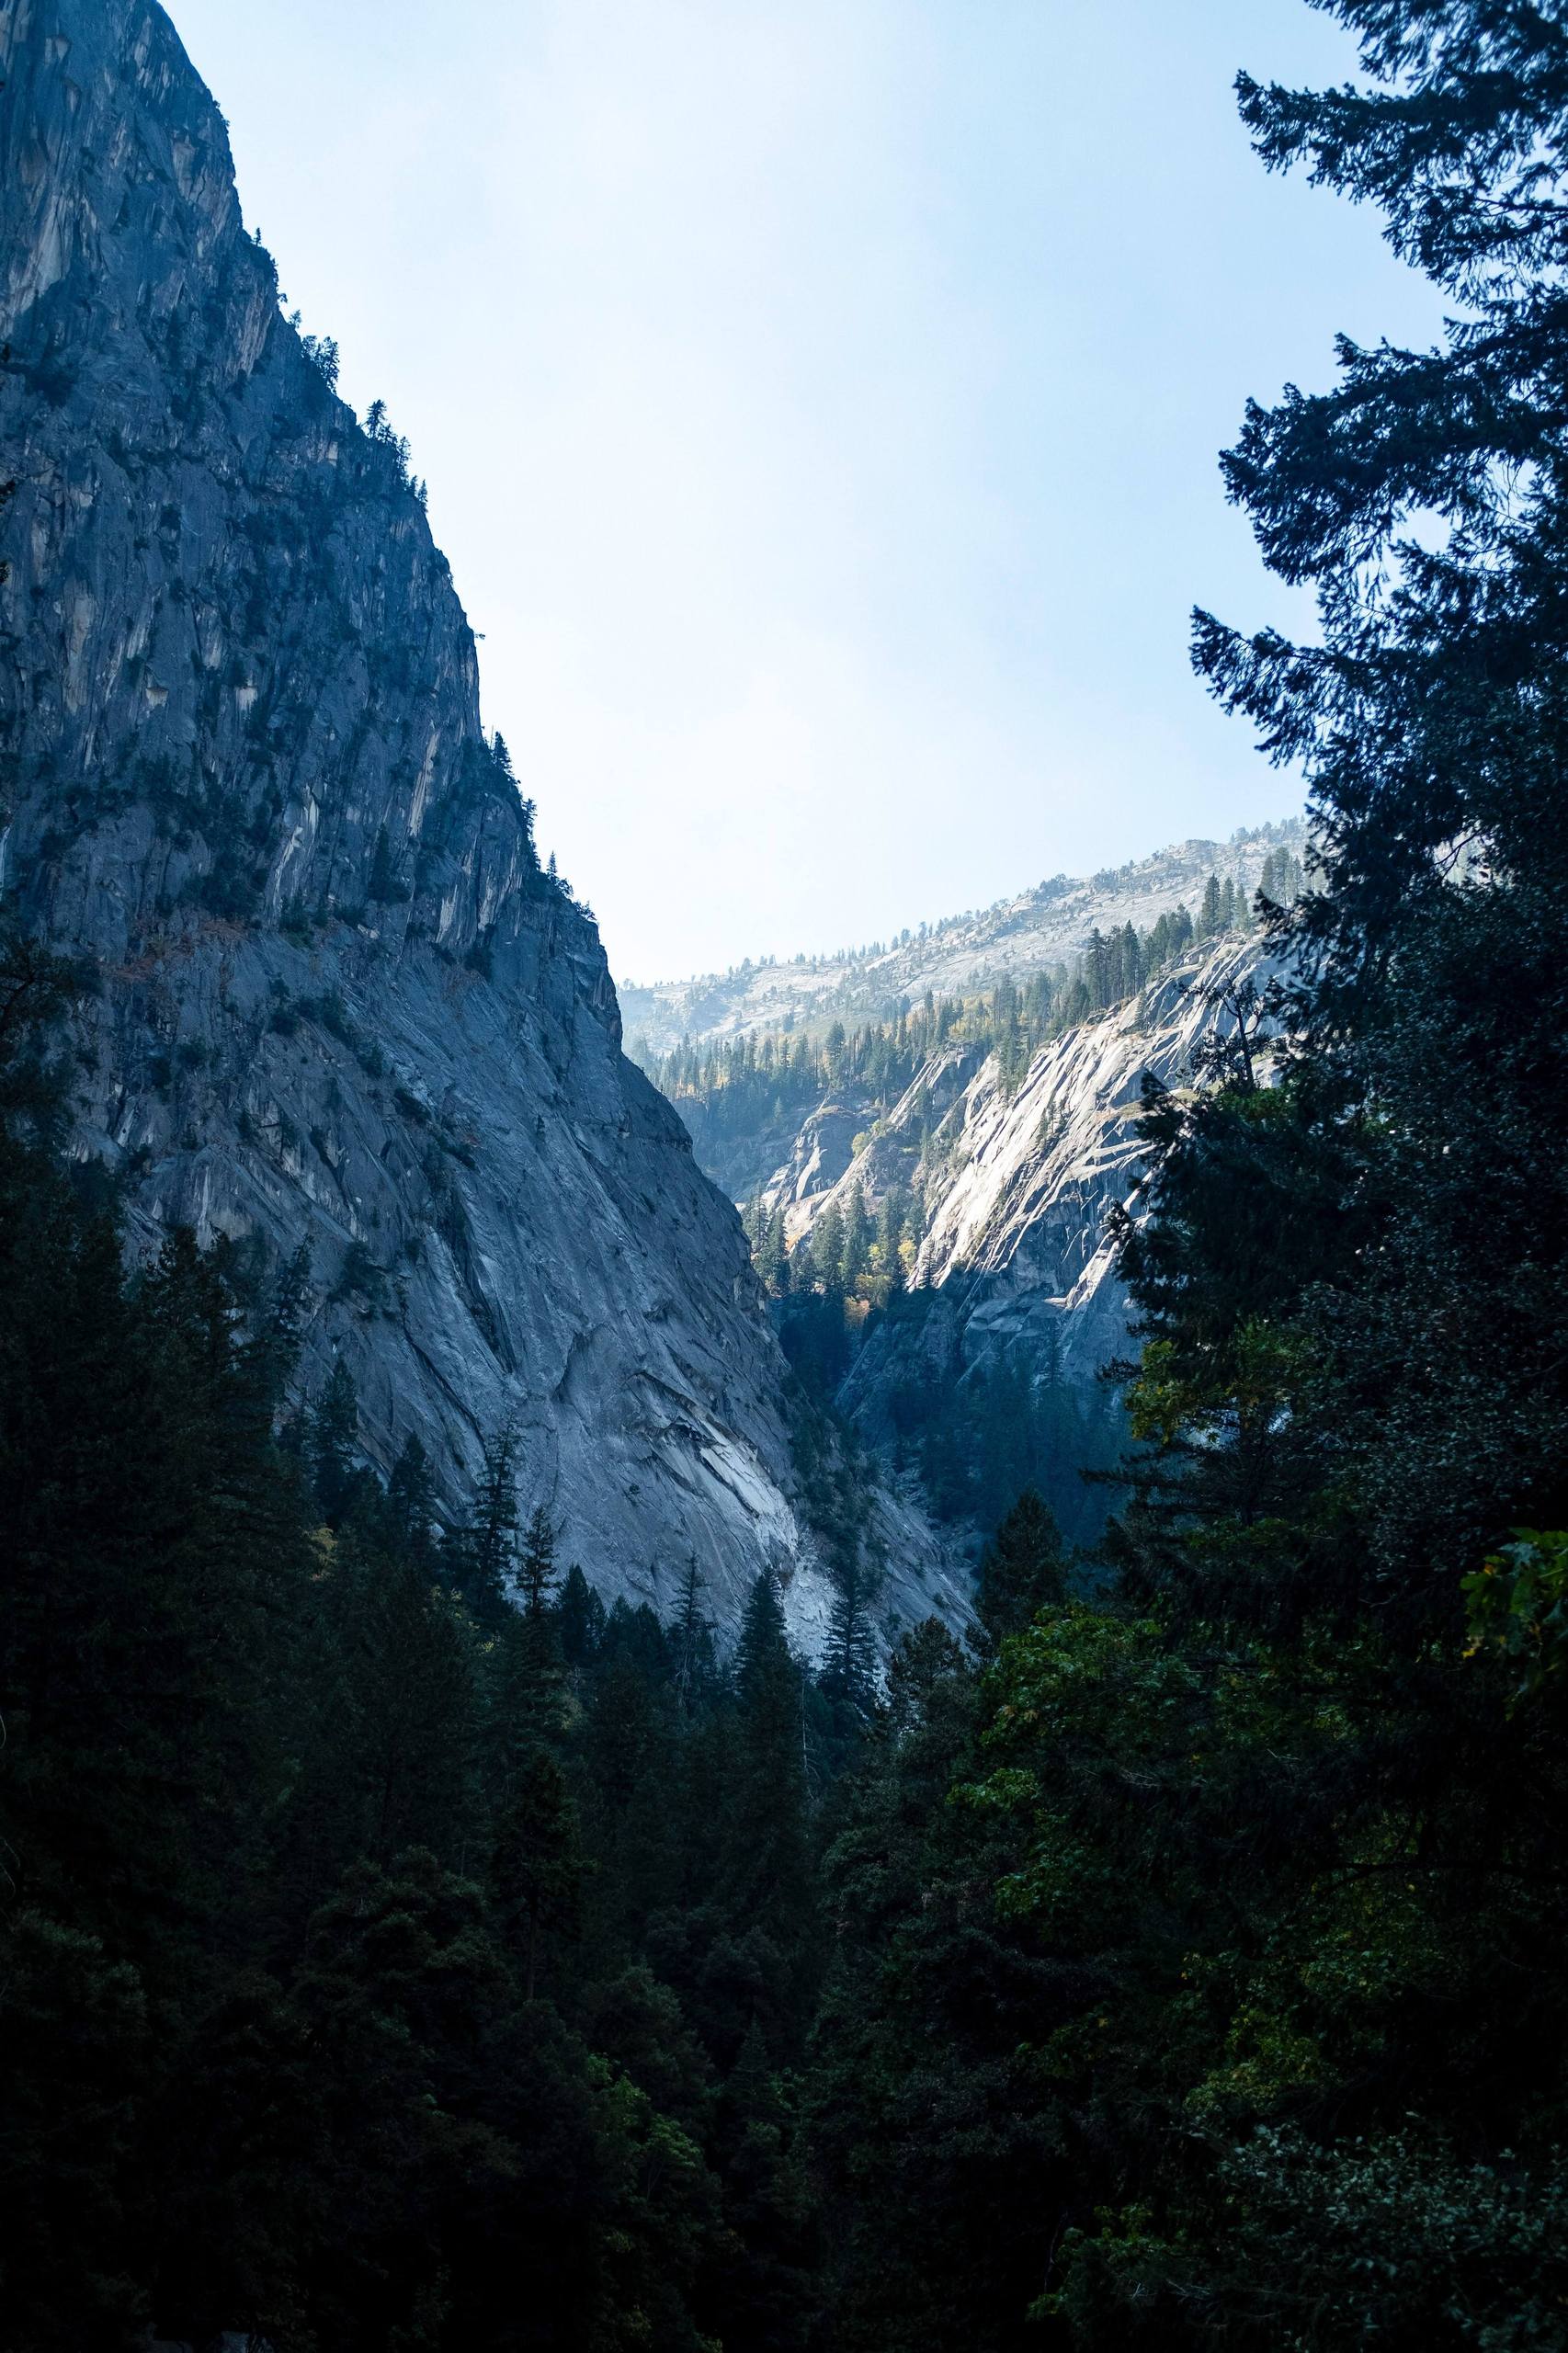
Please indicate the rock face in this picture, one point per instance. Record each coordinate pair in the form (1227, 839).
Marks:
(1013, 1271)
(1020, 1226)
(1045, 927)
(243, 772)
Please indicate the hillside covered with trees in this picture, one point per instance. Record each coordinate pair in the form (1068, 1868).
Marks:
(399, 1949)
(744, 1095)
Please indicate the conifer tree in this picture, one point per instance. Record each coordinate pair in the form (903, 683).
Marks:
(581, 1616)
(849, 1664)
(768, 1861)
(692, 1645)
(276, 1350)
(1022, 1570)
(535, 1873)
(827, 1248)
(856, 1243)
(335, 1441)
(489, 1554)
(411, 1503)
(889, 1236)
(536, 1573)
(528, 1669)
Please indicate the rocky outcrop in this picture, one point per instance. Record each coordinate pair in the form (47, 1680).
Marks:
(1015, 1270)
(244, 775)
(1018, 1221)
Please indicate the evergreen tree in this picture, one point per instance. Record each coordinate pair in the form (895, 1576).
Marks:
(536, 1873)
(849, 1667)
(334, 1441)
(827, 1248)
(581, 1620)
(694, 1667)
(536, 1572)
(528, 1667)
(487, 1559)
(890, 1227)
(411, 1503)
(856, 1243)
(1021, 1570)
(768, 1864)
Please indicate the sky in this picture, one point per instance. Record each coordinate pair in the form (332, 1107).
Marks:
(820, 402)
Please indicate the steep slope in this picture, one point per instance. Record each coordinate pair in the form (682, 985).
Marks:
(1030, 1175)
(1013, 1279)
(244, 773)
(1048, 925)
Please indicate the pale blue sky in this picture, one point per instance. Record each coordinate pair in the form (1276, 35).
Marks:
(820, 402)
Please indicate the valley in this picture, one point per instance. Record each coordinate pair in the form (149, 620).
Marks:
(869, 1654)
(927, 1189)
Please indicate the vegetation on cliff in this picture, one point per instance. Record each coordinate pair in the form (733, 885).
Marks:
(402, 1951)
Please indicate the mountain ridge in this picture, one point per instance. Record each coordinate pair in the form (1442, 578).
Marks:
(1047, 925)
(339, 1006)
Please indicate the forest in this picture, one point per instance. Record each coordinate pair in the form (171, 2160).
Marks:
(736, 1087)
(400, 1950)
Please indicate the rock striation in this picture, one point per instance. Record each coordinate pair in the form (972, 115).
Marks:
(339, 1005)
(1015, 1270)
(1030, 1174)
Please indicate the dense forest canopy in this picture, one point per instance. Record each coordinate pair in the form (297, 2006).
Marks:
(400, 1951)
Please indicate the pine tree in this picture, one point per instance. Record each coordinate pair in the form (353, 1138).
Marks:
(334, 1441)
(581, 1617)
(1097, 968)
(856, 1244)
(411, 1503)
(536, 1573)
(889, 1236)
(1022, 1570)
(849, 1664)
(692, 1645)
(535, 1873)
(276, 1350)
(827, 1248)
(768, 1872)
(488, 1556)
(528, 1669)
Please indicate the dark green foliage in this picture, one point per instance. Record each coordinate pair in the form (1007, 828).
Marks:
(1290, 1841)
(940, 2148)
(1022, 1568)
(536, 1871)
(333, 1884)
(400, 1951)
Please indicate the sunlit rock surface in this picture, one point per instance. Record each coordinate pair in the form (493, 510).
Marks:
(1043, 929)
(1015, 1265)
(339, 1005)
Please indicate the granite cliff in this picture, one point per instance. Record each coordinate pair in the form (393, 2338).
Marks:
(1008, 1307)
(337, 1004)
(1015, 1268)
(1036, 930)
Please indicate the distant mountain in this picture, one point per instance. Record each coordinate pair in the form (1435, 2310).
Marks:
(928, 1193)
(1014, 1278)
(1046, 926)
